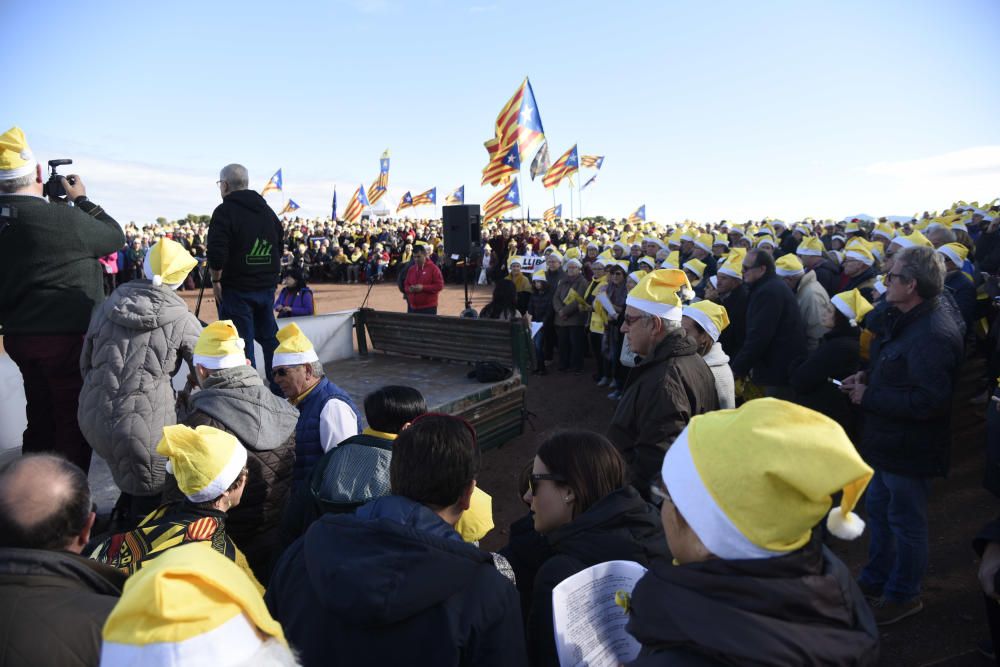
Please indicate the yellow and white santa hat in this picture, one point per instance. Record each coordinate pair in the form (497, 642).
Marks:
(673, 260)
(705, 242)
(515, 259)
(539, 276)
(885, 230)
(912, 240)
(853, 306)
(648, 262)
(860, 253)
(660, 293)
(204, 460)
(710, 316)
(733, 266)
(788, 266)
(16, 158)
(696, 266)
(956, 252)
(722, 240)
(810, 246)
(293, 348)
(753, 482)
(765, 239)
(220, 346)
(188, 606)
(168, 263)
(636, 276)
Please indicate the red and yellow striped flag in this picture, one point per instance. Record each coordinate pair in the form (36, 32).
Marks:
(567, 165)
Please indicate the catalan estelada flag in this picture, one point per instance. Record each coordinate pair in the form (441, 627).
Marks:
(405, 202)
(519, 120)
(381, 184)
(552, 213)
(273, 184)
(639, 215)
(504, 200)
(567, 165)
(501, 164)
(456, 197)
(591, 161)
(589, 181)
(357, 205)
(290, 206)
(426, 198)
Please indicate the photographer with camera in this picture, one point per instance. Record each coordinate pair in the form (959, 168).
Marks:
(50, 283)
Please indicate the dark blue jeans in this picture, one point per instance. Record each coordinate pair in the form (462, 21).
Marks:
(253, 315)
(422, 311)
(897, 521)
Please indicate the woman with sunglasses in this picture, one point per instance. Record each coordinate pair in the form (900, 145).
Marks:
(588, 515)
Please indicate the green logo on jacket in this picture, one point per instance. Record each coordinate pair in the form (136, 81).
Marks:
(260, 253)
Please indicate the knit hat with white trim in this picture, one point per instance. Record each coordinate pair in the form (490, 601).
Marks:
(861, 254)
(705, 242)
(695, 266)
(189, 606)
(659, 294)
(16, 158)
(733, 266)
(753, 482)
(293, 348)
(204, 460)
(220, 346)
(710, 316)
(168, 263)
(912, 240)
(853, 306)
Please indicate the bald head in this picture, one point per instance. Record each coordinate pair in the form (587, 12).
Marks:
(44, 504)
(235, 177)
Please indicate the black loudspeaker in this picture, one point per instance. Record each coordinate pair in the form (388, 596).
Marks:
(461, 230)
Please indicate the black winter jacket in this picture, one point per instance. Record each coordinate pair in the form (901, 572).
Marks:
(775, 339)
(661, 396)
(838, 355)
(828, 275)
(53, 605)
(736, 307)
(620, 526)
(800, 609)
(393, 584)
(908, 400)
(244, 242)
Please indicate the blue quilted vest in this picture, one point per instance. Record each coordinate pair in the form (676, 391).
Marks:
(308, 450)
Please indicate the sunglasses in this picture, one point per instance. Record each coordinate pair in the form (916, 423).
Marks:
(533, 481)
(281, 372)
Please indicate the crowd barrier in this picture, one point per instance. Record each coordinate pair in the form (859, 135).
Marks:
(331, 335)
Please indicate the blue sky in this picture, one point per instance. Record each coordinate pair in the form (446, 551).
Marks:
(704, 110)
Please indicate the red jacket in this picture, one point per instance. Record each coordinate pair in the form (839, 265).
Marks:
(430, 277)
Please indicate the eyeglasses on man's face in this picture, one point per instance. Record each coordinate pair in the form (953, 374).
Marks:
(632, 319)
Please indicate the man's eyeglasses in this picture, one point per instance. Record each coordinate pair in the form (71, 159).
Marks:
(533, 480)
(659, 491)
(889, 277)
(281, 372)
(632, 319)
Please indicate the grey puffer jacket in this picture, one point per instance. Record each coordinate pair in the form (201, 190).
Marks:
(135, 343)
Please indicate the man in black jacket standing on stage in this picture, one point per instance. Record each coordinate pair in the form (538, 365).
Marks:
(244, 253)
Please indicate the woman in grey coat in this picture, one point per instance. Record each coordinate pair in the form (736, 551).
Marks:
(134, 345)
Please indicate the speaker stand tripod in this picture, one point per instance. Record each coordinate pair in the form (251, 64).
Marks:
(469, 310)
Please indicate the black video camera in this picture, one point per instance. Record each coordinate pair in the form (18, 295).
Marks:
(53, 188)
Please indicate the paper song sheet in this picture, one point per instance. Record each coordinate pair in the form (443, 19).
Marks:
(535, 328)
(609, 307)
(589, 626)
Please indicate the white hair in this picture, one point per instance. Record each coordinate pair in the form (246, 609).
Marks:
(235, 176)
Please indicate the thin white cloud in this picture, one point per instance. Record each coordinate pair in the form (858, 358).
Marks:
(979, 161)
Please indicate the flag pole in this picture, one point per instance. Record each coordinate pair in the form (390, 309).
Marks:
(579, 193)
(571, 216)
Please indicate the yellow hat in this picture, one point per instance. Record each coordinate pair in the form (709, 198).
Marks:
(659, 293)
(220, 346)
(539, 275)
(766, 239)
(190, 605)
(705, 242)
(811, 246)
(696, 266)
(913, 240)
(648, 262)
(852, 305)
(885, 230)
(205, 460)
(168, 263)
(573, 253)
(16, 158)
(787, 266)
(860, 253)
(476, 521)
(710, 316)
(293, 347)
(636, 276)
(852, 228)
(733, 266)
(753, 482)
(956, 252)
(721, 239)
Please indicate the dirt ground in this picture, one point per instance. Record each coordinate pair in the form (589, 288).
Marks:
(945, 633)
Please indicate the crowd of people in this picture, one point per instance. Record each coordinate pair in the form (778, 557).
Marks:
(768, 379)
